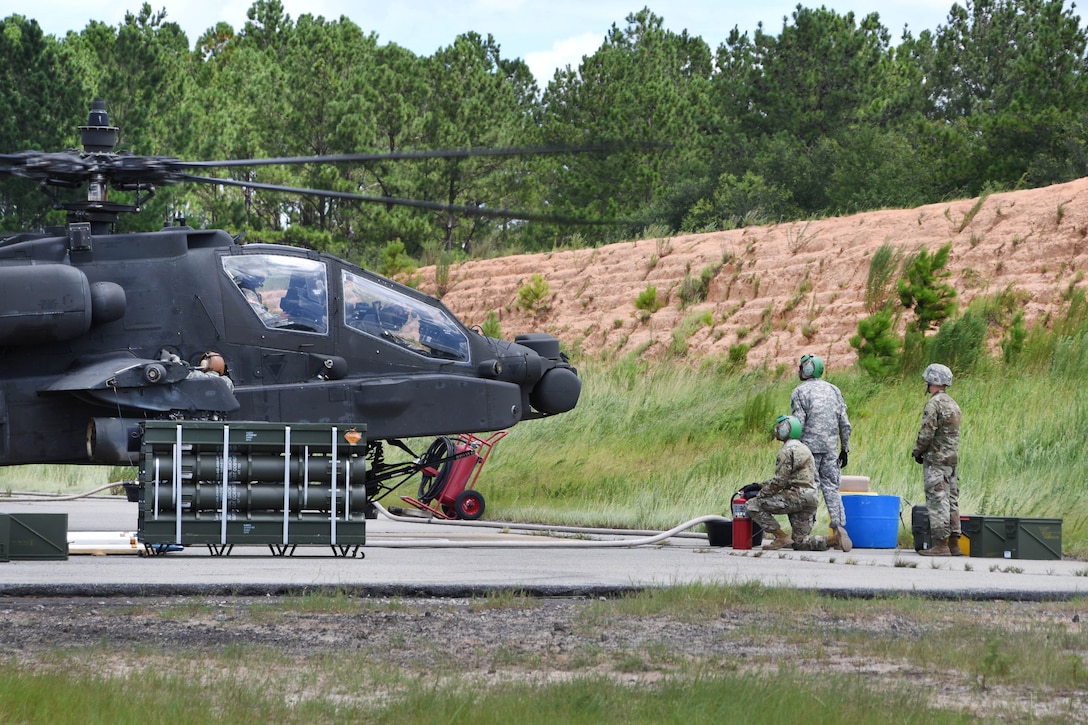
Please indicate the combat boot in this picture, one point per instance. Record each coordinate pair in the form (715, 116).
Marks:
(954, 545)
(781, 540)
(939, 548)
(839, 539)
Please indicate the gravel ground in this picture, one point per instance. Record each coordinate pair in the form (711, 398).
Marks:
(491, 641)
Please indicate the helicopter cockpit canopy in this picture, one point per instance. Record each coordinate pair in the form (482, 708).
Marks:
(376, 309)
(286, 292)
(291, 292)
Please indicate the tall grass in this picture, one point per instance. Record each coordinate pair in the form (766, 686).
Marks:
(645, 445)
(652, 446)
(57, 479)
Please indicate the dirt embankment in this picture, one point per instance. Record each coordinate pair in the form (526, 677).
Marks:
(785, 289)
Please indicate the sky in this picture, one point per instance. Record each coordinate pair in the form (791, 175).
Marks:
(547, 35)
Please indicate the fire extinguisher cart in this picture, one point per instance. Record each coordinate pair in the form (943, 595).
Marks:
(447, 487)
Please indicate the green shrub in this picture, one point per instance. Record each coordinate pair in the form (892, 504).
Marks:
(691, 291)
(694, 290)
(881, 281)
(877, 344)
(647, 300)
(740, 202)
(491, 327)
(533, 294)
(959, 344)
(738, 355)
(395, 260)
(922, 290)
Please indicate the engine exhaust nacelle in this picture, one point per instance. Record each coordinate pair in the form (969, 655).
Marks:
(45, 303)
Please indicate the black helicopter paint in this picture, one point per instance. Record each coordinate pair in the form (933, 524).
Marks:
(100, 331)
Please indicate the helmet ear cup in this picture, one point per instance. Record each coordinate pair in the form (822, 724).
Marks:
(807, 368)
(811, 367)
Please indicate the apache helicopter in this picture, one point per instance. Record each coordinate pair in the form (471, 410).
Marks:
(100, 331)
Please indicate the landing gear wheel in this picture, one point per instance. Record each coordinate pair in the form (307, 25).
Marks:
(469, 505)
(435, 465)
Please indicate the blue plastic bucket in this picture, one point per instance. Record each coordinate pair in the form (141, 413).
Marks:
(872, 521)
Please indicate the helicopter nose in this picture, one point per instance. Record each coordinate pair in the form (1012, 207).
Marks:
(557, 391)
(557, 386)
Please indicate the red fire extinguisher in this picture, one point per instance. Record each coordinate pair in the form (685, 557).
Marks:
(742, 522)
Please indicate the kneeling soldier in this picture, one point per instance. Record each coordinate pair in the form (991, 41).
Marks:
(792, 491)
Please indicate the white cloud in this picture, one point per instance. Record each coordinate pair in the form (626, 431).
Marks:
(563, 53)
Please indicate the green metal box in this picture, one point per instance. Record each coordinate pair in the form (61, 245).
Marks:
(1007, 537)
(34, 536)
(252, 482)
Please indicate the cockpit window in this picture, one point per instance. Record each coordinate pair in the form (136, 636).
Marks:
(286, 293)
(384, 312)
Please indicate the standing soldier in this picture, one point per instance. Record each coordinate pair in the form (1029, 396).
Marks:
(937, 449)
(790, 492)
(820, 407)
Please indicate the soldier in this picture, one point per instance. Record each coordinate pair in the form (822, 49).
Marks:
(212, 365)
(820, 407)
(790, 492)
(937, 449)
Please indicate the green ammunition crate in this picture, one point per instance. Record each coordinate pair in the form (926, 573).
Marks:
(33, 536)
(5, 528)
(1007, 537)
(252, 483)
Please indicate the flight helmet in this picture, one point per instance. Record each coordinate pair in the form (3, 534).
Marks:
(787, 427)
(811, 367)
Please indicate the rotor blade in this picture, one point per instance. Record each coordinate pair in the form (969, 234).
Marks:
(392, 200)
(399, 155)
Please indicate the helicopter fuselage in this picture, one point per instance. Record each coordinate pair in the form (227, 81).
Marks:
(99, 332)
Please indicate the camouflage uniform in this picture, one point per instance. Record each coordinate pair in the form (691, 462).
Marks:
(937, 448)
(790, 492)
(820, 407)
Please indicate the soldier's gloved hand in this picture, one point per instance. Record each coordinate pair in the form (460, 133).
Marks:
(844, 456)
(917, 458)
(751, 489)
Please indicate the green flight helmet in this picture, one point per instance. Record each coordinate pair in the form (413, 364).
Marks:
(811, 367)
(787, 427)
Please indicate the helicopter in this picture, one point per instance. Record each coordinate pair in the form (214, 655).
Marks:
(101, 331)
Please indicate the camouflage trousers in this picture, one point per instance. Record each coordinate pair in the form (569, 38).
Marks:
(942, 500)
(828, 479)
(799, 504)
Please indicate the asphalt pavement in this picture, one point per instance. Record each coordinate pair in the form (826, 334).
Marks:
(411, 556)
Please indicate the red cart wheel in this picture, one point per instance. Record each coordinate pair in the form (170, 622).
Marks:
(469, 505)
